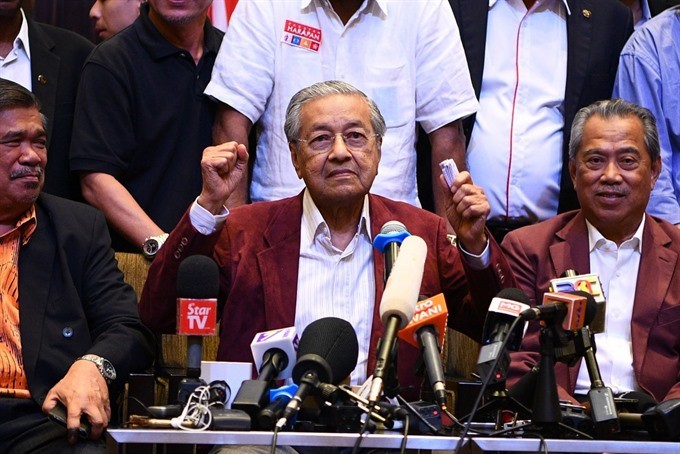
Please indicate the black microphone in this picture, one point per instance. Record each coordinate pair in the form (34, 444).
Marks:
(427, 331)
(273, 352)
(327, 352)
(503, 311)
(278, 400)
(197, 290)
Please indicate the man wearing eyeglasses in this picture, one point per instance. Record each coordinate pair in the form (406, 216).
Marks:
(293, 261)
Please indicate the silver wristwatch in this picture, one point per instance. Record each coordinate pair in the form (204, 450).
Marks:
(104, 365)
(153, 244)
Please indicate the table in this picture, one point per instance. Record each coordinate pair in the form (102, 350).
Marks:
(385, 440)
(390, 440)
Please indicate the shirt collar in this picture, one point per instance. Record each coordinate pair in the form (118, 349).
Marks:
(596, 239)
(26, 224)
(313, 222)
(22, 37)
(159, 47)
(566, 5)
(380, 4)
(646, 13)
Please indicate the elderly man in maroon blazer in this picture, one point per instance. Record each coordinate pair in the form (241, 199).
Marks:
(295, 260)
(614, 163)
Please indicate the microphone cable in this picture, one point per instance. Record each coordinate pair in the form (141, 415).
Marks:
(485, 383)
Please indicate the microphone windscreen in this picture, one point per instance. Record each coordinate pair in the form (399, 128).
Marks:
(198, 278)
(514, 294)
(329, 347)
(403, 285)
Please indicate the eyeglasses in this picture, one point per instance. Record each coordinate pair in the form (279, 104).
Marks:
(355, 141)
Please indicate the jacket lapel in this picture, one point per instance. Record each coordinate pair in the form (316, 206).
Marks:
(572, 251)
(657, 265)
(34, 288)
(279, 263)
(44, 72)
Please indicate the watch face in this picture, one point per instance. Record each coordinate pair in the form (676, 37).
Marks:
(108, 370)
(151, 247)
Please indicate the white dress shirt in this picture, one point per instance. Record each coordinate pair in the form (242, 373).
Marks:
(515, 151)
(618, 268)
(16, 66)
(336, 283)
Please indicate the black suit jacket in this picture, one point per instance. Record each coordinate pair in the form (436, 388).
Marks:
(73, 300)
(658, 6)
(57, 56)
(596, 32)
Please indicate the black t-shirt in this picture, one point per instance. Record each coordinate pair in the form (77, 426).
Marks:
(141, 116)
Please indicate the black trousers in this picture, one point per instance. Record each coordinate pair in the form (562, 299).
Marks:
(24, 428)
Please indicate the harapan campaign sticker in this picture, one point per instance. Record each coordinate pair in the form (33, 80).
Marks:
(301, 35)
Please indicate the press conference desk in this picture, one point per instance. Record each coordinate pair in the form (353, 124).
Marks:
(387, 440)
(390, 440)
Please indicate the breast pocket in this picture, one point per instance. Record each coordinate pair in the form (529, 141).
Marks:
(669, 316)
(391, 88)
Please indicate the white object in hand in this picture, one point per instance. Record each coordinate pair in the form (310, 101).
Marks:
(449, 169)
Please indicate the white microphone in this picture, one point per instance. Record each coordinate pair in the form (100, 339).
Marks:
(398, 303)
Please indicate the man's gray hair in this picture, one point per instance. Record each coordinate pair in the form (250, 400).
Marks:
(615, 108)
(293, 125)
(15, 96)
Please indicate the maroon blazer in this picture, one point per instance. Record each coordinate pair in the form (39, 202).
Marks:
(544, 251)
(258, 253)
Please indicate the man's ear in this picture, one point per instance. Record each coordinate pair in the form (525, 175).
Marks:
(572, 171)
(295, 158)
(656, 170)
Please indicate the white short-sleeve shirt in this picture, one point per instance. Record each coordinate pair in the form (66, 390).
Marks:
(406, 55)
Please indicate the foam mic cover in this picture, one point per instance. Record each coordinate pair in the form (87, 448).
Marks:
(403, 286)
(198, 278)
(197, 291)
(327, 352)
(328, 347)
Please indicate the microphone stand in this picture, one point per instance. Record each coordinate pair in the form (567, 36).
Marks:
(601, 397)
(546, 404)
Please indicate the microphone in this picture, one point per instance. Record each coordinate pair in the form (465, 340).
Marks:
(398, 303)
(327, 352)
(589, 283)
(197, 290)
(560, 307)
(273, 352)
(278, 400)
(503, 311)
(427, 330)
(391, 235)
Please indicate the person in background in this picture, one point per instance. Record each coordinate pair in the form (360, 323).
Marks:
(142, 121)
(649, 75)
(46, 60)
(614, 161)
(644, 10)
(533, 65)
(395, 51)
(111, 16)
(70, 329)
